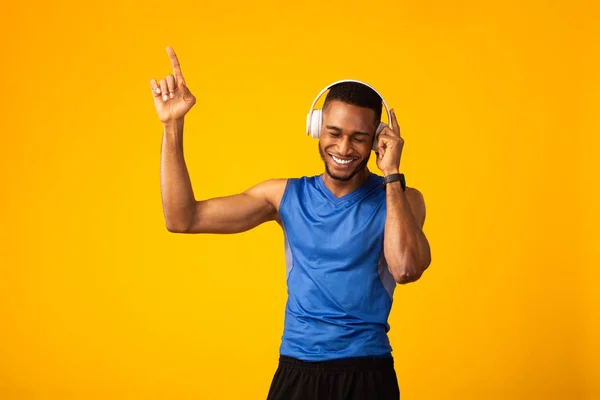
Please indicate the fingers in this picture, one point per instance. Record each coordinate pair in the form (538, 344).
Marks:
(167, 87)
(386, 137)
(164, 89)
(155, 88)
(394, 122)
(171, 85)
(387, 133)
(380, 152)
(176, 66)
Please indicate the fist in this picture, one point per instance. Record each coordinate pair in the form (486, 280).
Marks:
(172, 98)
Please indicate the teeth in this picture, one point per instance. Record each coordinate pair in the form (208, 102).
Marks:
(340, 161)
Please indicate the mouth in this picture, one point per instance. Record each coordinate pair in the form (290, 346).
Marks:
(342, 161)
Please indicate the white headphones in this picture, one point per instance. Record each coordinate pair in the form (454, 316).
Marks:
(314, 119)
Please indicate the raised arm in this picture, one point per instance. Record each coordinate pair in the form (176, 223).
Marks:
(183, 213)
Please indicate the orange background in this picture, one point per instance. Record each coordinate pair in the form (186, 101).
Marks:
(497, 104)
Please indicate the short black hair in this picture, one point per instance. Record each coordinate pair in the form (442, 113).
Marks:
(357, 94)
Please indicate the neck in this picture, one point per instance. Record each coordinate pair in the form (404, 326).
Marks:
(342, 188)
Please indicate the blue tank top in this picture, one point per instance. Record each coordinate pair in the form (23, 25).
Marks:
(339, 288)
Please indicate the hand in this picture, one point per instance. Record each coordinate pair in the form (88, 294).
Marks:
(172, 98)
(389, 147)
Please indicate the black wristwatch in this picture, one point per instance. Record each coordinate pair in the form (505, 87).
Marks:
(393, 178)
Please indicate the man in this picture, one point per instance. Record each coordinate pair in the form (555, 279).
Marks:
(348, 240)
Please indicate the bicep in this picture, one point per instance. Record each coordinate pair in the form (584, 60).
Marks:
(236, 213)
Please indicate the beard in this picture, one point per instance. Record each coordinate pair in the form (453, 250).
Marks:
(344, 178)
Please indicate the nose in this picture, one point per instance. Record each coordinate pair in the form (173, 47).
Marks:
(344, 146)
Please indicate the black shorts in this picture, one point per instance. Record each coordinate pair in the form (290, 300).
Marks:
(348, 379)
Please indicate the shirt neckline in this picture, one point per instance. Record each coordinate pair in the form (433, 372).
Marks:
(368, 184)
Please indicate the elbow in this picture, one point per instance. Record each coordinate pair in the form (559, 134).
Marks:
(409, 273)
(178, 222)
(406, 276)
(176, 228)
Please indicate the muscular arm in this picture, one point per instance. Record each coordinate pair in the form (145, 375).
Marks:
(230, 214)
(239, 212)
(405, 246)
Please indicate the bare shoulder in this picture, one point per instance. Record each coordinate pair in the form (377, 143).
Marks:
(271, 190)
(417, 204)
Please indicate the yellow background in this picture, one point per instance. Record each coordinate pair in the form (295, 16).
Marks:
(497, 104)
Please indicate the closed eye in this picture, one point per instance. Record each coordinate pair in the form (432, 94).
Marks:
(335, 134)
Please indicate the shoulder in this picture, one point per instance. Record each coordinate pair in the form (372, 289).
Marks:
(268, 189)
(271, 190)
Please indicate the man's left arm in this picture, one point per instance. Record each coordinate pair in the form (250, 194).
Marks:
(405, 246)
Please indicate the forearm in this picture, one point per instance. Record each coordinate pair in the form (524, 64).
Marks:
(176, 188)
(406, 248)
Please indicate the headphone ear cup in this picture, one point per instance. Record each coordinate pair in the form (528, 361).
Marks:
(315, 123)
(376, 141)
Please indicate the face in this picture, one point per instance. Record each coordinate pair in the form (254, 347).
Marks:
(346, 139)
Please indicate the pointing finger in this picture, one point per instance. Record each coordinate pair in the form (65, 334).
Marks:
(176, 67)
(394, 123)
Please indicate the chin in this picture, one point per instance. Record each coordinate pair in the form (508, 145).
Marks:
(342, 172)
(333, 170)
(343, 178)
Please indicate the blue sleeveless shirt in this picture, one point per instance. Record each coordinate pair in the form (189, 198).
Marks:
(339, 288)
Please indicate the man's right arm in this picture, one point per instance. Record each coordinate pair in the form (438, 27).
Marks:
(183, 214)
(229, 214)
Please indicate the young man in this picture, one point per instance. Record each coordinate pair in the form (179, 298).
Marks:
(350, 237)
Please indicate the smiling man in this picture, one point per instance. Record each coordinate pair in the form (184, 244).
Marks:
(348, 103)
(350, 236)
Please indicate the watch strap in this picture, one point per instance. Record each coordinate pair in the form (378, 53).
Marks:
(395, 177)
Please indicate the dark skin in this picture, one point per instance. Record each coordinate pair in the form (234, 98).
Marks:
(347, 135)
(345, 146)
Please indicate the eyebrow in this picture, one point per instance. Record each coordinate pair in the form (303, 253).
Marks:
(335, 128)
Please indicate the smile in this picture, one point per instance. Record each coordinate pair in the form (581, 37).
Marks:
(341, 161)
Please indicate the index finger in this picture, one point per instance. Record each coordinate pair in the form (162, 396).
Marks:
(394, 122)
(175, 65)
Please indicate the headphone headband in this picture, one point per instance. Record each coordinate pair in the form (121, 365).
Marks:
(342, 81)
